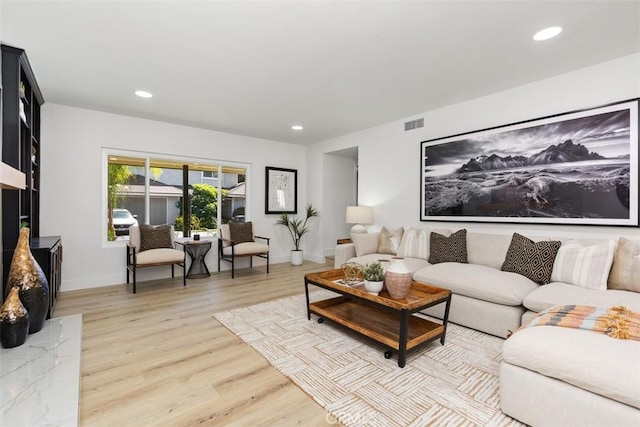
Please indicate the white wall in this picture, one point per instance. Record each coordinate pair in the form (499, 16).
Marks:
(72, 184)
(389, 171)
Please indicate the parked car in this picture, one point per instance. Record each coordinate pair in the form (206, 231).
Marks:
(238, 215)
(122, 220)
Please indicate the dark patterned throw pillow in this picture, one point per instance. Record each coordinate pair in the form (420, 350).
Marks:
(241, 232)
(154, 237)
(448, 249)
(533, 260)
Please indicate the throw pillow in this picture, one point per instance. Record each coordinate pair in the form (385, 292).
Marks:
(389, 240)
(155, 237)
(241, 232)
(625, 272)
(414, 244)
(533, 260)
(448, 249)
(587, 266)
(365, 243)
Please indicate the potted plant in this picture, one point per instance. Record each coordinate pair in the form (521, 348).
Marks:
(373, 277)
(297, 229)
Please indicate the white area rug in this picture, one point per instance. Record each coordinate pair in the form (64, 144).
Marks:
(455, 384)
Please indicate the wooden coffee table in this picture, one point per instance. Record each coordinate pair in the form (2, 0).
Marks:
(381, 318)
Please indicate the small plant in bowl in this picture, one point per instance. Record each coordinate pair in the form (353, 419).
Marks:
(373, 277)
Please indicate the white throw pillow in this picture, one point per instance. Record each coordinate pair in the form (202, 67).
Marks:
(625, 272)
(414, 243)
(584, 266)
(365, 243)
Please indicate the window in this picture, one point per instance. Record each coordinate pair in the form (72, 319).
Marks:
(151, 190)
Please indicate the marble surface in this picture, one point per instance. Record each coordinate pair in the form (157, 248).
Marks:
(40, 380)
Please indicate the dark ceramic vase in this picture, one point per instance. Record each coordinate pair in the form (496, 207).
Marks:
(26, 274)
(14, 321)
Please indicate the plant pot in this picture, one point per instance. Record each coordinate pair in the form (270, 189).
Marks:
(373, 287)
(296, 257)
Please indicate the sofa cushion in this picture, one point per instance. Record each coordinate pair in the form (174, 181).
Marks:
(625, 272)
(365, 243)
(487, 249)
(585, 266)
(478, 281)
(413, 264)
(557, 293)
(586, 359)
(155, 237)
(389, 240)
(533, 260)
(448, 249)
(414, 243)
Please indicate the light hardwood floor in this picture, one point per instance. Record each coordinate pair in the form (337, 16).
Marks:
(159, 357)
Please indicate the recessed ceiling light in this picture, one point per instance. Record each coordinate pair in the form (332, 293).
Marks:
(143, 94)
(297, 127)
(547, 33)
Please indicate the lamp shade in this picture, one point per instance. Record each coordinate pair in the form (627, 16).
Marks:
(359, 215)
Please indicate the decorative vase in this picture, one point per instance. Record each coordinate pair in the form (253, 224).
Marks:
(296, 257)
(398, 279)
(14, 321)
(28, 277)
(373, 287)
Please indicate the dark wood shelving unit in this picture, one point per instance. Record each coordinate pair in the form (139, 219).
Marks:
(21, 104)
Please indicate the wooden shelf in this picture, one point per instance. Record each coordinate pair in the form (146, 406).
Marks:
(379, 325)
(11, 178)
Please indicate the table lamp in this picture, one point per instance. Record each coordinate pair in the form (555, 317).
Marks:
(359, 215)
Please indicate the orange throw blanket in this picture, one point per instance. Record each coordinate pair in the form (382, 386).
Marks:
(616, 322)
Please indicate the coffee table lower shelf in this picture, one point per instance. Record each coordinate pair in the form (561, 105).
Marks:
(380, 325)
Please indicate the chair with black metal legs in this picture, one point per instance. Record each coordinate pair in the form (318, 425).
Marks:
(237, 241)
(150, 247)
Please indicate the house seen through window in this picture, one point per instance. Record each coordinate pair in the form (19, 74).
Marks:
(148, 190)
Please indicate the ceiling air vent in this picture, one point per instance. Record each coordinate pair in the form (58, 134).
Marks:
(414, 124)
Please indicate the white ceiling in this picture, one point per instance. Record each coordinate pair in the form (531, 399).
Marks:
(256, 68)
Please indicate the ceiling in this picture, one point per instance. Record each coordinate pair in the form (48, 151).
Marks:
(256, 68)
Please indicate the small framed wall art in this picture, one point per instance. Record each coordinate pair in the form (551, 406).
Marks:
(281, 192)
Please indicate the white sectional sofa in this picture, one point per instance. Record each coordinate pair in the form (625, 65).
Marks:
(549, 375)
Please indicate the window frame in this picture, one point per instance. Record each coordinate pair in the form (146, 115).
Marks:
(148, 158)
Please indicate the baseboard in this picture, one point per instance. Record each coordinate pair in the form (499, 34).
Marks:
(160, 272)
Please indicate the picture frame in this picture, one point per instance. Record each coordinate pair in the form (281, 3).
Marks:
(281, 191)
(576, 168)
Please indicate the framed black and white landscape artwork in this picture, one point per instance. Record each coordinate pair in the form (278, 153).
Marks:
(574, 168)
